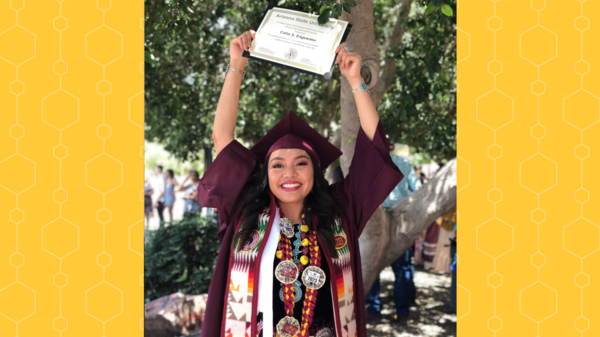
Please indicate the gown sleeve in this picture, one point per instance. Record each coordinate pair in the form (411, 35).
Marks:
(371, 178)
(224, 180)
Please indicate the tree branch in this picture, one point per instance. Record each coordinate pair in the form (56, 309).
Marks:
(390, 232)
(389, 69)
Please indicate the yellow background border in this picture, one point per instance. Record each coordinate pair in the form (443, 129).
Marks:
(71, 168)
(528, 182)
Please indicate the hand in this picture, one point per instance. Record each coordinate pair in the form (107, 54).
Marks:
(349, 62)
(239, 44)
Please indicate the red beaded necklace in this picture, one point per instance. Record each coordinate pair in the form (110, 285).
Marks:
(287, 272)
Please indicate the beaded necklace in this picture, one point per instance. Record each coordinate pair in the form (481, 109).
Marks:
(287, 272)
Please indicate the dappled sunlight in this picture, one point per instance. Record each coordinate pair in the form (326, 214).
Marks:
(430, 316)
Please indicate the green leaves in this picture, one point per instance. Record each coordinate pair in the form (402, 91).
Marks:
(149, 58)
(324, 17)
(328, 10)
(447, 10)
(184, 76)
(347, 7)
(420, 107)
(337, 10)
(430, 8)
(181, 257)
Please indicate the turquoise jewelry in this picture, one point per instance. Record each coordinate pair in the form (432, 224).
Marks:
(295, 252)
(361, 87)
(348, 48)
(230, 68)
(297, 292)
(289, 326)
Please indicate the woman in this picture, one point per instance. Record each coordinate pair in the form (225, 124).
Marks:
(148, 191)
(170, 192)
(190, 198)
(289, 263)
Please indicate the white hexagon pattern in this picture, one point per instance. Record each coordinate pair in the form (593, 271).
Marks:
(48, 50)
(17, 164)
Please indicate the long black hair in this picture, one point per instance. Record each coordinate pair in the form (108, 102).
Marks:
(320, 202)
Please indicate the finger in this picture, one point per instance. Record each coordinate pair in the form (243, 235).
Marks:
(341, 59)
(244, 41)
(249, 39)
(338, 59)
(249, 35)
(348, 61)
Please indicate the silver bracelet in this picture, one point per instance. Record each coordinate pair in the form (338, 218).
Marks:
(361, 87)
(230, 68)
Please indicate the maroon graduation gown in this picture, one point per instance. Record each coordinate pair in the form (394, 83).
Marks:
(371, 178)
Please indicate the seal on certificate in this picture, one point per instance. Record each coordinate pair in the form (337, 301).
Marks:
(290, 54)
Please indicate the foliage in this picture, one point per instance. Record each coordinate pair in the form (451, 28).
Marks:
(187, 55)
(420, 108)
(187, 51)
(181, 257)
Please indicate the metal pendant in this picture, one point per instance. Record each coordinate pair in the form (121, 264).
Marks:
(313, 277)
(286, 227)
(325, 332)
(288, 327)
(286, 272)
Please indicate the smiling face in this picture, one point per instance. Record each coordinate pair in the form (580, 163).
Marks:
(291, 175)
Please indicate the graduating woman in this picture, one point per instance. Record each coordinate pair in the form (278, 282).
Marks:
(289, 263)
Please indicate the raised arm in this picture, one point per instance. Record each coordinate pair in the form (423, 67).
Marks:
(226, 115)
(349, 62)
(372, 174)
(182, 186)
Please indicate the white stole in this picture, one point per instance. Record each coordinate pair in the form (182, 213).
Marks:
(265, 278)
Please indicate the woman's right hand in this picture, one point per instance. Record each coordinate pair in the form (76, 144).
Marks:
(239, 44)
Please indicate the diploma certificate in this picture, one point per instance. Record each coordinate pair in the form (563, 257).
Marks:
(294, 39)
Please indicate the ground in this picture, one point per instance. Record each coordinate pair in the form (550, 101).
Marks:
(428, 318)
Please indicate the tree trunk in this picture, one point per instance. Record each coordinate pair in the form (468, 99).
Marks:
(362, 40)
(388, 233)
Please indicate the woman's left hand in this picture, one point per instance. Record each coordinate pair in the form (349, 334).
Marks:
(349, 62)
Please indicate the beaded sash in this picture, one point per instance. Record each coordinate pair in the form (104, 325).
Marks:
(243, 265)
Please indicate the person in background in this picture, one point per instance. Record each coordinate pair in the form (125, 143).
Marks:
(443, 259)
(170, 192)
(191, 204)
(159, 182)
(404, 287)
(148, 191)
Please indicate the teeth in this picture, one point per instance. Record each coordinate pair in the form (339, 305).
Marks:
(290, 185)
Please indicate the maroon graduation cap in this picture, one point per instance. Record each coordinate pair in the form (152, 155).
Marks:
(293, 133)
